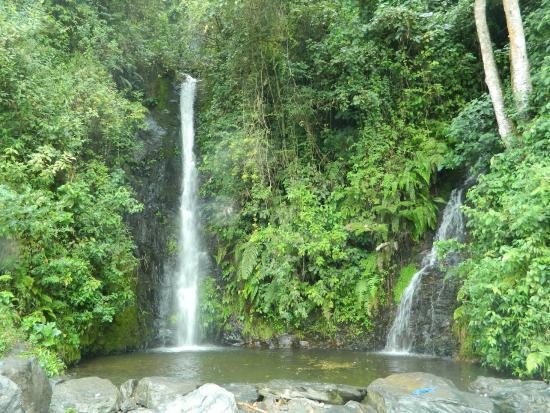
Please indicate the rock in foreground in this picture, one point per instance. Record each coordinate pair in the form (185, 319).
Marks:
(302, 405)
(36, 392)
(10, 396)
(154, 392)
(244, 393)
(209, 398)
(87, 395)
(510, 396)
(320, 392)
(423, 393)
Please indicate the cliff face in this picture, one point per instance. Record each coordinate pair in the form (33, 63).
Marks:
(156, 179)
(432, 314)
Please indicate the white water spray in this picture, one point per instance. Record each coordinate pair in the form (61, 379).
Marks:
(400, 338)
(189, 262)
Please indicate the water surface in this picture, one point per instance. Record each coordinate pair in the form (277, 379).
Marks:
(223, 365)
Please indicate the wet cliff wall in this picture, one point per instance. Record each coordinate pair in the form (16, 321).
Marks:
(155, 177)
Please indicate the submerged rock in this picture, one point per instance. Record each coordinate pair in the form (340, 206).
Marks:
(36, 392)
(153, 392)
(320, 392)
(10, 396)
(87, 395)
(209, 398)
(511, 396)
(423, 393)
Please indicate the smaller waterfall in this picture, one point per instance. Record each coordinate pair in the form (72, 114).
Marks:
(400, 338)
(189, 259)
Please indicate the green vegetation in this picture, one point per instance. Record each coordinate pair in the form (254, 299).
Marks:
(505, 299)
(405, 276)
(69, 110)
(327, 132)
(322, 126)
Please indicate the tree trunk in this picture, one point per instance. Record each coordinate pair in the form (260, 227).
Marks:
(491, 73)
(521, 81)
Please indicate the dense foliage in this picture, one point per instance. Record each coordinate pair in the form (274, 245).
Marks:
(323, 126)
(505, 309)
(329, 134)
(67, 264)
(331, 118)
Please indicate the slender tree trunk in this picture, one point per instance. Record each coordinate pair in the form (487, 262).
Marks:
(492, 78)
(521, 81)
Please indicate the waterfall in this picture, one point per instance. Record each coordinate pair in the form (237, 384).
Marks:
(189, 260)
(400, 338)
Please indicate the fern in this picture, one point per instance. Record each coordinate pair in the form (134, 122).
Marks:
(248, 260)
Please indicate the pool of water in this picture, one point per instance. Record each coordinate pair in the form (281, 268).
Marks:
(223, 365)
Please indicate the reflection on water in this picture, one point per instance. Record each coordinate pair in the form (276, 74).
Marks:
(227, 365)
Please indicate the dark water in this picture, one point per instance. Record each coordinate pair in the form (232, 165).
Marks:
(228, 365)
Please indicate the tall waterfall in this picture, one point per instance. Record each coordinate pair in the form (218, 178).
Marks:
(189, 261)
(400, 338)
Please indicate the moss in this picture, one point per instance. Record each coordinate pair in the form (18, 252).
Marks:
(258, 330)
(123, 334)
(405, 275)
(159, 93)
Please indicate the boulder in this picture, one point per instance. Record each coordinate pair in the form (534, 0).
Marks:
(86, 395)
(128, 401)
(526, 396)
(354, 406)
(36, 392)
(153, 392)
(423, 393)
(245, 393)
(209, 398)
(10, 396)
(320, 392)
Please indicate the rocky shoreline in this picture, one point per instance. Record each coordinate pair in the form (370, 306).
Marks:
(24, 388)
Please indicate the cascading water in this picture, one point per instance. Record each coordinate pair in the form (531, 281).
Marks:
(189, 259)
(400, 338)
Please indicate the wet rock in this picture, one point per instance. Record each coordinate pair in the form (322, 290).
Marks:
(154, 175)
(10, 396)
(232, 334)
(303, 344)
(36, 392)
(285, 341)
(245, 393)
(321, 392)
(510, 396)
(302, 405)
(153, 392)
(128, 401)
(86, 395)
(432, 314)
(209, 398)
(423, 393)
